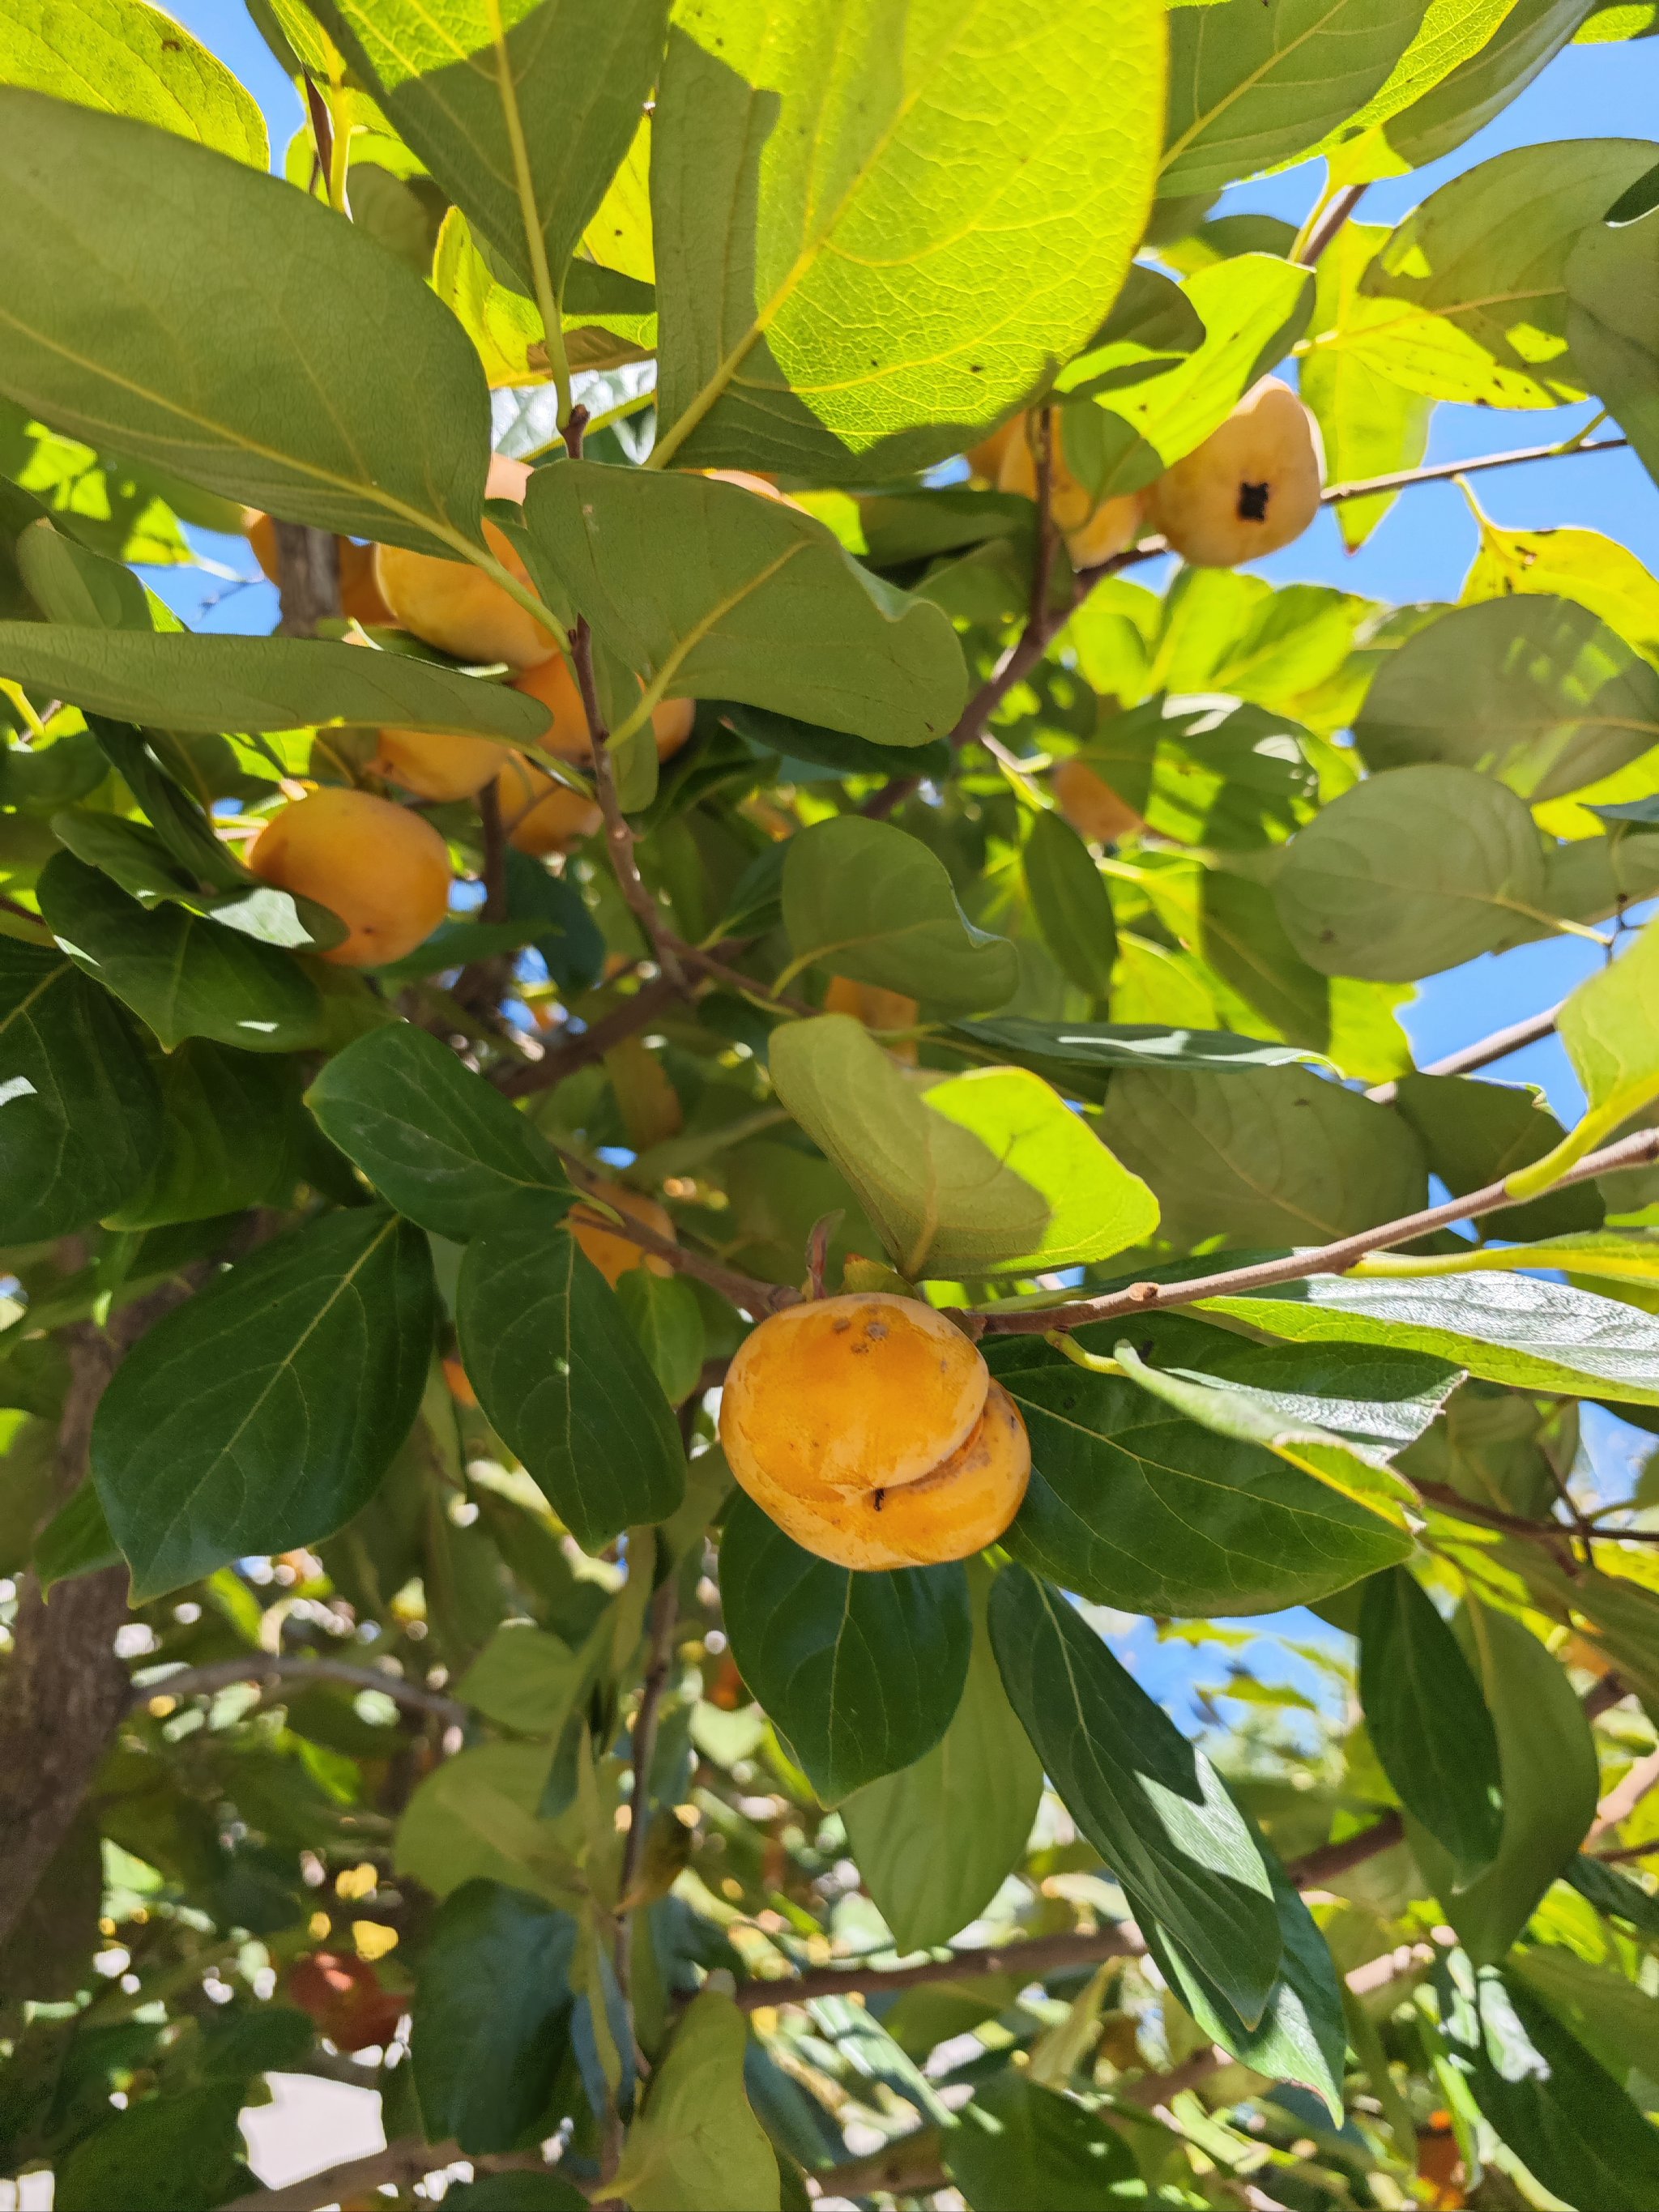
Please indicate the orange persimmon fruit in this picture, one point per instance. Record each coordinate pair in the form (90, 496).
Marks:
(383, 870)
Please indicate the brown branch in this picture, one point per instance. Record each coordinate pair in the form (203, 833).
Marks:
(745, 1290)
(664, 1611)
(572, 1053)
(1516, 1524)
(1325, 229)
(401, 2164)
(1033, 1957)
(308, 562)
(270, 1670)
(1499, 1046)
(1633, 1152)
(1362, 487)
(494, 853)
(1315, 1868)
(64, 1691)
(720, 971)
(618, 835)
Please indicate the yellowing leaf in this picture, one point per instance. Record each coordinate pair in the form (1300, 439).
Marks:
(1610, 1027)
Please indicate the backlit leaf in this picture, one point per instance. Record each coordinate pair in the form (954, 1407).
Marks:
(698, 2147)
(131, 59)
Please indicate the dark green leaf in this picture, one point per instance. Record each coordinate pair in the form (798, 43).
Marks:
(663, 1313)
(262, 1413)
(70, 583)
(182, 973)
(1135, 1507)
(866, 900)
(1475, 1134)
(80, 1113)
(1614, 1894)
(835, 749)
(1612, 325)
(521, 140)
(1267, 1156)
(76, 1541)
(1020, 2144)
(227, 1140)
(1151, 1805)
(935, 1841)
(1534, 691)
(561, 1376)
(1301, 2036)
(435, 1139)
(1072, 906)
(395, 448)
(1063, 1050)
(490, 2012)
(1428, 1721)
(175, 2153)
(1563, 2115)
(256, 684)
(860, 1672)
(710, 591)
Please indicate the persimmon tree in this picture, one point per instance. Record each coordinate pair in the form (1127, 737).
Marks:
(746, 851)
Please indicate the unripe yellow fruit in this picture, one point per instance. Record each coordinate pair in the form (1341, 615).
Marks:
(439, 764)
(1093, 530)
(554, 686)
(985, 460)
(1251, 487)
(1091, 805)
(868, 1427)
(455, 606)
(613, 1252)
(382, 869)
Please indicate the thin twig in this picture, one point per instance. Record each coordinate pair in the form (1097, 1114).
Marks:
(1516, 1524)
(665, 1612)
(599, 1037)
(693, 956)
(1327, 224)
(270, 1670)
(1499, 1046)
(753, 1296)
(1634, 1151)
(494, 853)
(618, 835)
(1438, 472)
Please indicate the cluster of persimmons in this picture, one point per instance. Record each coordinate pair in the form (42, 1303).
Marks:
(866, 1425)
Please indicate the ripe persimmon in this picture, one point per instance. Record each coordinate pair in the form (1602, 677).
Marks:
(612, 1251)
(1094, 529)
(457, 607)
(541, 816)
(383, 870)
(554, 684)
(439, 764)
(1251, 487)
(868, 1427)
(1088, 802)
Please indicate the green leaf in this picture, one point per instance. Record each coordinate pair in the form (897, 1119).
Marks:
(1369, 425)
(562, 1379)
(698, 2148)
(1612, 327)
(1072, 906)
(935, 1841)
(663, 1315)
(1613, 1894)
(1268, 1156)
(1017, 2144)
(1138, 1507)
(487, 96)
(131, 59)
(1151, 1805)
(1547, 1764)
(1428, 1722)
(1560, 2112)
(256, 684)
(491, 2011)
(474, 1819)
(396, 446)
(1535, 691)
(1411, 872)
(1063, 1050)
(1207, 771)
(820, 174)
(865, 899)
(1253, 309)
(175, 2153)
(262, 1413)
(1475, 1134)
(1530, 35)
(1301, 2036)
(974, 1173)
(1610, 1027)
(525, 1678)
(70, 583)
(226, 1142)
(436, 1140)
(183, 975)
(1537, 1335)
(1252, 87)
(861, 1673)
(80, 1112)
(710, 591)
(76, 1540)
(1467, 300)
(1613, 2017)
(1451, 32)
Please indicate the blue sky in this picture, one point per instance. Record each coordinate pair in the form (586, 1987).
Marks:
(1421, 552)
